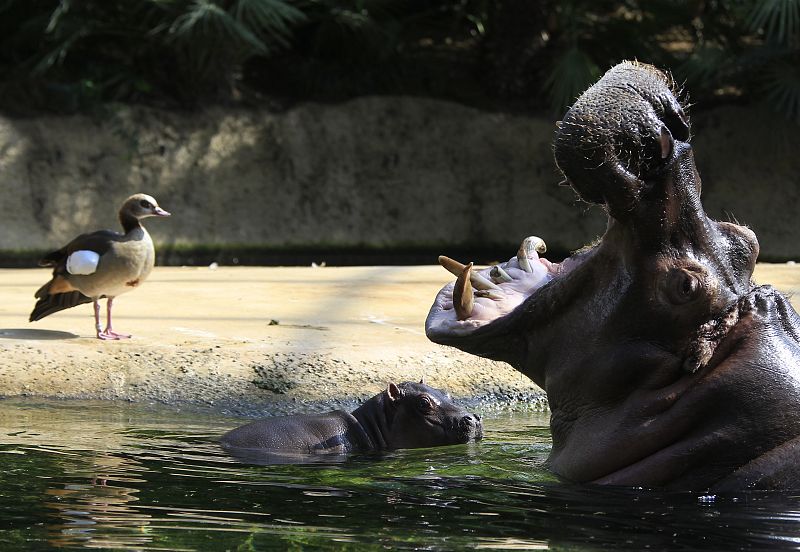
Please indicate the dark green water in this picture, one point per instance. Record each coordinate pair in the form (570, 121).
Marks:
(109, 476)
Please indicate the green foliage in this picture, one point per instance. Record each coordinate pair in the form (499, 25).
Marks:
(779, 19)
(777, 67)
(572, 71)
(66, 55)
(781, 87)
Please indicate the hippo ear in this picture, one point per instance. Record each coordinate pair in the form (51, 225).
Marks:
(422, 380)
(393, 392)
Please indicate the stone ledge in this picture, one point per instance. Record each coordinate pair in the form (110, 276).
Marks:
(252, 341)
(246, 340)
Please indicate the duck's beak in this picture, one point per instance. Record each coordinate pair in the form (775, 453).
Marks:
(159, 212)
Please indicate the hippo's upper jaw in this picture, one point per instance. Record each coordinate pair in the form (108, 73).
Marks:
(647, 343)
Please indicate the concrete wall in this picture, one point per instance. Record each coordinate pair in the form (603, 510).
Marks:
(378, 172)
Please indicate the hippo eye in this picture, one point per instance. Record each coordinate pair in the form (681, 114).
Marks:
(146, 204)
(425, 404)
(682, 286)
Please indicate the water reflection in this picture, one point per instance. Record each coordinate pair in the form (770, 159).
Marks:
(98, 475)
(79, 509)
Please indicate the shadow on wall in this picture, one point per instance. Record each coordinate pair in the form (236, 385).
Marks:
(364, 180)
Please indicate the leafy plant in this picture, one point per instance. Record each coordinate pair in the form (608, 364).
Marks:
(778, 76)
(66, 55)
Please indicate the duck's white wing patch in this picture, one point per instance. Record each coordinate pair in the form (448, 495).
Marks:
(82, 262)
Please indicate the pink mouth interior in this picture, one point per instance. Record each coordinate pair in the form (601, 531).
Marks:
(443, 319)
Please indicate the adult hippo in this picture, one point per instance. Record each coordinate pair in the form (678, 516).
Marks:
(663, 363)
(405, 415)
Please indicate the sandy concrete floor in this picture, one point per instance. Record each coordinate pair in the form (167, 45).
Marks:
(249, 340)
(243, 339)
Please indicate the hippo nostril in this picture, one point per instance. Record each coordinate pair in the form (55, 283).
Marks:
(677, 122)
(467, 421)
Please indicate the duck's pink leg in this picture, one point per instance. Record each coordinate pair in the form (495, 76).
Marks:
(97, 326)
(109, 332)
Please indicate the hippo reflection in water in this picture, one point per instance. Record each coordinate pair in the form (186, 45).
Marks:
(663, 363)
(405, 415)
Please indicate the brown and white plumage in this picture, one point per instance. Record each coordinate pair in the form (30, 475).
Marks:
(101, 264)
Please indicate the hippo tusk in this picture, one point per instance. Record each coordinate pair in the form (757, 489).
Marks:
(499, 276)
(538, 244)
(463, 301)
(456, 268)
(666, 142)
(528, 249)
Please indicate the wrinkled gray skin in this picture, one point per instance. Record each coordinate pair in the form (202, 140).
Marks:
(407, 415)
(663, 363)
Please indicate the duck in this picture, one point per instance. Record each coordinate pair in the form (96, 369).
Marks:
(102, 264)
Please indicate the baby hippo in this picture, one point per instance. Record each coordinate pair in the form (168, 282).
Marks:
(405, 415)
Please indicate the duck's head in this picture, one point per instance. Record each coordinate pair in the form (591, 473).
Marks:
(140, 206)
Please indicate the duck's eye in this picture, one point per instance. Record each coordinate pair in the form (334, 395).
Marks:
(146, 204)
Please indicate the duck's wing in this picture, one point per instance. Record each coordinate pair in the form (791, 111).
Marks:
(59, 294)
(99, 242)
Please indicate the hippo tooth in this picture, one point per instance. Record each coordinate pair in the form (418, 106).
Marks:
(463, 300)
(456, 268)
(528, 249)
(499, 276)
(491, 294)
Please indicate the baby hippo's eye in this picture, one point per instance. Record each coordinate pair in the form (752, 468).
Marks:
(425, 404)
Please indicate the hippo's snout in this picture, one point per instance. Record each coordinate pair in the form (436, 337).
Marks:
(471, 427)
(606, 157)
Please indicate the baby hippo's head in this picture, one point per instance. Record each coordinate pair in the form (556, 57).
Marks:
(420, 416)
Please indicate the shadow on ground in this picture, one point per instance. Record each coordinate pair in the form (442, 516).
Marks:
(41, 335)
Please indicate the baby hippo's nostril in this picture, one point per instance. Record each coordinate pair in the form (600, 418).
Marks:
(467, 421)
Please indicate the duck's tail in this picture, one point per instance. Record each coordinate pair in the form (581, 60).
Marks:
(48, 304)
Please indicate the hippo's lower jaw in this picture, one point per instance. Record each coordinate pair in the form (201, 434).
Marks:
(720, 339)
(715, 338)
(480, 297)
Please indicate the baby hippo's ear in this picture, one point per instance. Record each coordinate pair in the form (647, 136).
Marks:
(393, 392)
(422, 380)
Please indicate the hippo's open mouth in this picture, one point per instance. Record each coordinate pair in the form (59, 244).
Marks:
(480, 297)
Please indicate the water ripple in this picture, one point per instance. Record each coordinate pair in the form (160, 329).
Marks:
(87, 475)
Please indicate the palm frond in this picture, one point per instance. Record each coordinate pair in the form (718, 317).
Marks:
(272, 18)
(572, 72)
(207, 20)
(57, 54)
(781, 88)
(704, 67)
(58, 13)
(779, 19)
